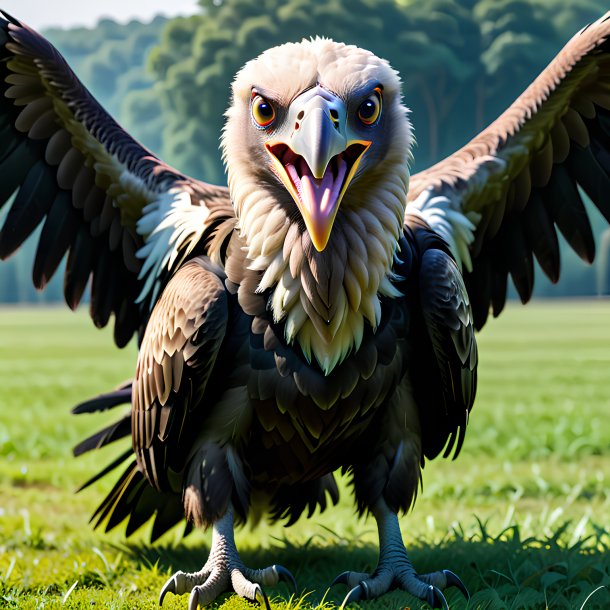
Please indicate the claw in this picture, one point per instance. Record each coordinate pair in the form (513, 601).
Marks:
(341, 579)
(286, 576)
(436, 599)
(453, 580)
(260, 597)
(355, 595)
(194, 599)
(170, 586)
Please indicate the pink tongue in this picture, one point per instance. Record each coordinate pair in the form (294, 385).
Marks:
(319, 197)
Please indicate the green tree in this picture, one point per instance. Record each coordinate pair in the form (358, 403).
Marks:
(198, 57)
(439, 56)
(568, 17)
(518, 41)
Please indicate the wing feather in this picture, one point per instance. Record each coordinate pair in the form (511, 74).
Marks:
(177, 355)
(97, 192)
(444, 371)
(520, 178)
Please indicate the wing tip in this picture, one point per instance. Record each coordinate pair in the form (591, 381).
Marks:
(8, 18)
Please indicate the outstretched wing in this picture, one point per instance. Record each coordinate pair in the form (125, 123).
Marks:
(125, 219)
(498, 200)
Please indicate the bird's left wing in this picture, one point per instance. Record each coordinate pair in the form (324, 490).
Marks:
(497, 200)
(444, 374)
(124, 218)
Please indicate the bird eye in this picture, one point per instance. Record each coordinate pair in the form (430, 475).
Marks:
(263, 112)
(370, 109)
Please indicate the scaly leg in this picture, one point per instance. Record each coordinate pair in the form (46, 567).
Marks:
(395, 571)
(225, 571)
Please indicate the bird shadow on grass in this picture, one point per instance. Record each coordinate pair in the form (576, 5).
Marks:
(501, 572)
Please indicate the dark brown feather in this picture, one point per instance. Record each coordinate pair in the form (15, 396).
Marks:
(57, 143)
(452, 360)
(555, 133)
(188, 323)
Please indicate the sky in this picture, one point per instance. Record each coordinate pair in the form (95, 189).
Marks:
(41, 14)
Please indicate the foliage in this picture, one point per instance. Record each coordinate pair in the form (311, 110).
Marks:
(466, 59)
(522, 515)
(462, 62)
(435, 46)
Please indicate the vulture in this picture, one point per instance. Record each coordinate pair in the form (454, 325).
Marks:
(318, 313)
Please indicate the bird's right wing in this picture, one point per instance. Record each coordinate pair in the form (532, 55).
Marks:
(497, 200)
(125, 219)
(179, 349)
(178, 352)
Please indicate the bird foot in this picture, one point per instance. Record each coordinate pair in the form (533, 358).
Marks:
(395, 570)
(224, 571)
(400, 575)
(222, 575)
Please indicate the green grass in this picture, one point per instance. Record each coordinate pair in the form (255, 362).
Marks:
(523, 515)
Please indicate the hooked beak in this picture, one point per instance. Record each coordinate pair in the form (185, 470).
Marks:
(317, 162)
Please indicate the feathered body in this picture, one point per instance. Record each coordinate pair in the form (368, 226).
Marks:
(314, 369)
(325, 297)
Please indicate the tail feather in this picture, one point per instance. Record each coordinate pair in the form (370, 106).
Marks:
(102, 473)
(132, 497)
(290, 501)
(106, 401)
(114, 432)
(140, 512)
(119, 489)
(170, 512)
(122, 508)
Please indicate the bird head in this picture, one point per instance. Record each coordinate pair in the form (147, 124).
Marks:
(314, 122)
(317, 145)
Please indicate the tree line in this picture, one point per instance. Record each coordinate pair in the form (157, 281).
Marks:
(462, 62)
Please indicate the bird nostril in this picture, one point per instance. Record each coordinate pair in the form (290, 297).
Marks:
(300, 115)
(334, 115)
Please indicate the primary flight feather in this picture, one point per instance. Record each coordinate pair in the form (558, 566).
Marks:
(318, 313)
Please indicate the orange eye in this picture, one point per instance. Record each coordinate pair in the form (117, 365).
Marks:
(370, 109)
(263, 112)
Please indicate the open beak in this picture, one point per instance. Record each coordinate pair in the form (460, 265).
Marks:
(317, 162)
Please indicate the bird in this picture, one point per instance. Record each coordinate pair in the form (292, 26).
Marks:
(316, 314)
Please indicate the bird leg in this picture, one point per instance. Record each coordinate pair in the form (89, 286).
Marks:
(395, 571)
(225, 571)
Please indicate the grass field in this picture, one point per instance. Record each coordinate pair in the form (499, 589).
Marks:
(523, 515)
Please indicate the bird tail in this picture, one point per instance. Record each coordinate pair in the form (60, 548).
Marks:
(132, 495)
(114, 432)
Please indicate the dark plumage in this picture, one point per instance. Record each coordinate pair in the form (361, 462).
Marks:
(305, 319)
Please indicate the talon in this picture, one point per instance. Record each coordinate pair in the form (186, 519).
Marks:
(170, 586)
(260, 597)
(436, 599)
(194, 599)
(342, 579)
(355, 595)
(286, 576)
(365, 590)
(453, 580)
